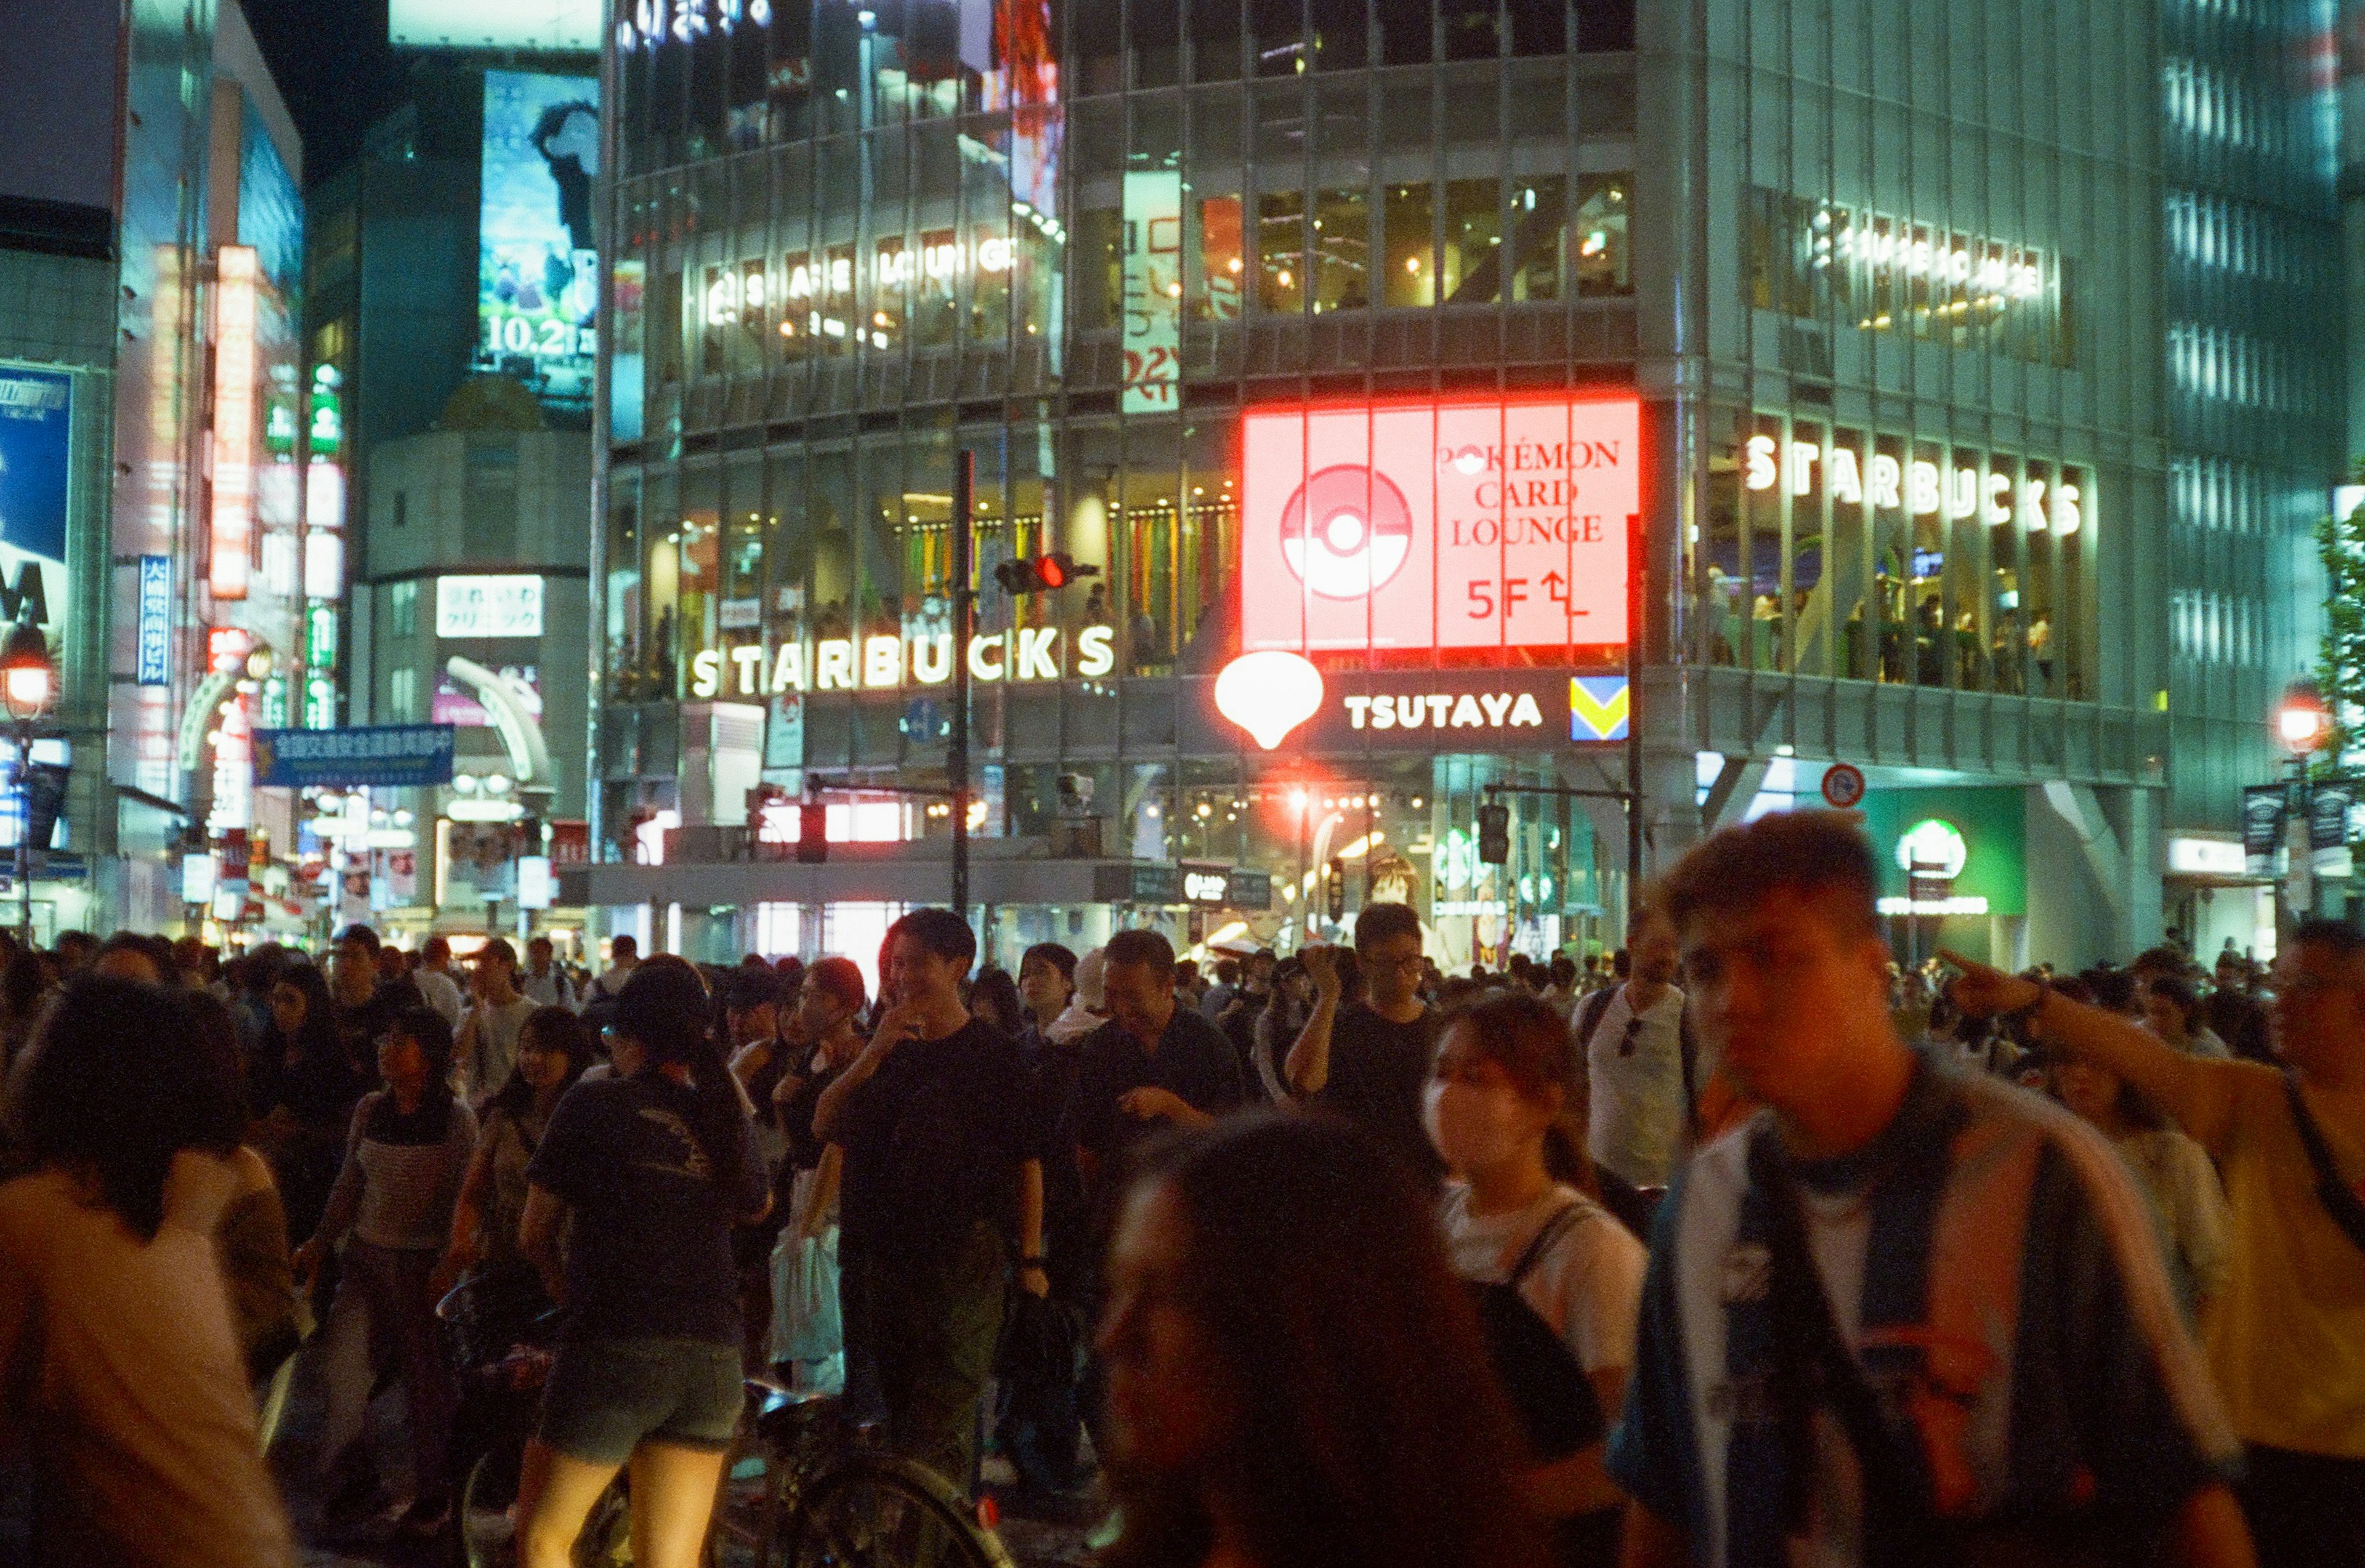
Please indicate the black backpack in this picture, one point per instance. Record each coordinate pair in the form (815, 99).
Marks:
(1553, 1399)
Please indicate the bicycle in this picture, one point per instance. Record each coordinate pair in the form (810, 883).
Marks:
(501, 1346)
(800, 1491)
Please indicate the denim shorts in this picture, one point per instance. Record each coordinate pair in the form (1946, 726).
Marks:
(606, 1397)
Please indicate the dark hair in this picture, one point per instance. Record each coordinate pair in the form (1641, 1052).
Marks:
(1378, 921)
(2177, 991)
(119, 1080)
(363, 934)
(1371, 1431)
(317, 1036)
(937, 930)
(1144, 947)
(994, 993)
(1562, 969)
(2158, 961)
(2114, 990)
(1820, 855)
(664, 1007)
(498, 948)
(1519, 1033)
(138, 947)
(1061, 959)
(435, 949)
(745, 989)
(555, 1029)
(841, 978)
(624, 943)
(1227, 972)
(431, 1031)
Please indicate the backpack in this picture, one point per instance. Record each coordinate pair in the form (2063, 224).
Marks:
(1550, 1393)
(599, 1004)
(1589, 1015)
(2347, 1209)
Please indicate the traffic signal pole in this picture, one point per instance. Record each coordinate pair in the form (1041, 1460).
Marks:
(964, 627)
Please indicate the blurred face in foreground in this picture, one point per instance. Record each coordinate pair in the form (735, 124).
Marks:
(1166, 1379)
(2319, 1011)
(1788, 991)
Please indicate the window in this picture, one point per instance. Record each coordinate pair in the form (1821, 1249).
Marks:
(1474, 239)
(402, 609)
(402, 694)
(1342, 250)
(1410, 212)
(1597, 240)
(1281, 251)
(402, 508)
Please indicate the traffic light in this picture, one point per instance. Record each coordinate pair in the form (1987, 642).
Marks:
(1338, 891)
(1039, 574)
(1494, 834)
(812, 834)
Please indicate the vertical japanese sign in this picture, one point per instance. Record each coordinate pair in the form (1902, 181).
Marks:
(234, 420)
(155, 620)
(1153, 291)
(538, 270)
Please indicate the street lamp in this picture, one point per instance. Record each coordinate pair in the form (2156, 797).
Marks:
(2302, 726)
(2303, 720)
(27, 681)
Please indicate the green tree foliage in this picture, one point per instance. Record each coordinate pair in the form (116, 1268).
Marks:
(2341, 670)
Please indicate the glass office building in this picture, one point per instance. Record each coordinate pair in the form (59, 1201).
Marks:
(1386, 338)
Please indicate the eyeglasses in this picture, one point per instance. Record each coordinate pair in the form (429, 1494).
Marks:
(1627, 1041)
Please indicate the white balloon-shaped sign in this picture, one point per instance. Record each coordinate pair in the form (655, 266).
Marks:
(1269, 693)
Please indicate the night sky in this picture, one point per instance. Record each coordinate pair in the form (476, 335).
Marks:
(335, 68)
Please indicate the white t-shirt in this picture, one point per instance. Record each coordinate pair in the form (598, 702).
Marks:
(1589, 1284)
(491, 1054)
(1636, 1081)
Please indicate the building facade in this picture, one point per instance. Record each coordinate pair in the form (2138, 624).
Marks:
(1437, 353)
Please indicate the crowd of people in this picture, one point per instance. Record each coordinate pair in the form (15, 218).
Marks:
(1743, 1245)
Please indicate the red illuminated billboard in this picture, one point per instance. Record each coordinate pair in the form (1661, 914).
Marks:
(1471, 523)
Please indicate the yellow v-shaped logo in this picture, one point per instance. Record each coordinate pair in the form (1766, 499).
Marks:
(1598, 708)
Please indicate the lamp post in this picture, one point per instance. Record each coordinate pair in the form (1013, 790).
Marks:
(2302, 726)
(27, 681)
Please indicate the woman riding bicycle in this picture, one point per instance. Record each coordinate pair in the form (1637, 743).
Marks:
(654, 1165)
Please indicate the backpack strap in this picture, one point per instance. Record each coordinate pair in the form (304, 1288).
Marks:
(2339, 1200)
(1553, 1229)
(1689, 1047)
(1588, 1018)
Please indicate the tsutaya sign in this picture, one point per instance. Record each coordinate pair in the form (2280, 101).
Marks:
(841, 663)
(1880, 473)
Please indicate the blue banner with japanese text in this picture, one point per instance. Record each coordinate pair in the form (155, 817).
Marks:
(392, 755)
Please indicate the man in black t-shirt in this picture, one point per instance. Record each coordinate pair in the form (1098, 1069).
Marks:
(933, 1117)
(1369, 1060)
(1154, 1062)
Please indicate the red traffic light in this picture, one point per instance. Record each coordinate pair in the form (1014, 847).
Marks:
(1052, 570)
(1039, 574)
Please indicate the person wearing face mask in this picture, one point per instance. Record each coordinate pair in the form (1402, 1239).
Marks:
(1494, 1110)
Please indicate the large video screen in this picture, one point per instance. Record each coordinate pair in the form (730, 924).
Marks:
(572, 26)
(1447, 523)
(537, 267)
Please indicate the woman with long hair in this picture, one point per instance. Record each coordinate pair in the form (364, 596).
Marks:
(1514, 1215)
(650, 1169)
(122, 1377)
(1295, 1378)
(555, 1046)
(303, 1086)
(391, 1210)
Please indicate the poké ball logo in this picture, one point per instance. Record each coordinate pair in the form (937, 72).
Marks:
(1346, 531)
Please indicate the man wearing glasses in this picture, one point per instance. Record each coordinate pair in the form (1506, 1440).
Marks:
(1368, 1058)
(1635, 1054)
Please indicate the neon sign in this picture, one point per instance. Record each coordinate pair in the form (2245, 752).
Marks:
(1500, 522)
(2044, 498)
(233, 466)
(841, 663)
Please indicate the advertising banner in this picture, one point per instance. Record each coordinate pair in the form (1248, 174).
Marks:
(2262, 827)
(454, 703)
(394, 756)
(36, 473)
(521, 26)
(1153, 291)
(538, 271)
(1495, 523)
(155, 620)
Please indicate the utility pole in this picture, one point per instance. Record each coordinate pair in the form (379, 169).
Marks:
(964, 627)
(1637, 562)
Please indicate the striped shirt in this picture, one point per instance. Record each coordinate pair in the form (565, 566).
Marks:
(399, 1180)
(1990, 1265)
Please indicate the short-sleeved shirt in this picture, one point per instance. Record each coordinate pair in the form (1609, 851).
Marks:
(1586, 1285)
(2021, 1323)
(1193, 1061)
(1378, 1069)
(932, 1143)
(2286, 1332)
(649, 1252)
